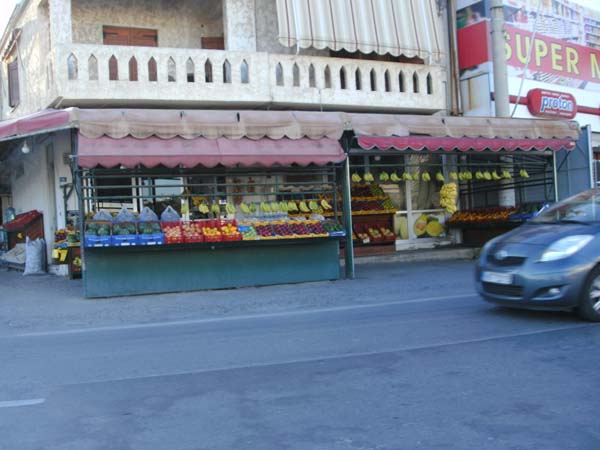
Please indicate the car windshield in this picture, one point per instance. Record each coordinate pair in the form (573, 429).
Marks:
(581, 208)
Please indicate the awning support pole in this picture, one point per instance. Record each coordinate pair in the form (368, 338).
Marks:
(555, 171)
(346, 198)
(76, 174)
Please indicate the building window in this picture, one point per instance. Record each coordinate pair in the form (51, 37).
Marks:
(14, 97)
(139, 37)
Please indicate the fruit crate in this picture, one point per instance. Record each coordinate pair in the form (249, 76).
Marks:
(384, 226)
(96, 241)
(124, 240)
(151, 239)
(172, 232)
(213, 238)
(195, 235)
(97, 233)
(364, 229)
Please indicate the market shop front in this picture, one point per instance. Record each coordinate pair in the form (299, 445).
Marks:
(202, 205)
(456, 180)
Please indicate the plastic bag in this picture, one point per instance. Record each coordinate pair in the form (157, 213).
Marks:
(35, 257)
(147, 215)
(125, 215)
(169, 215)
(103, 215)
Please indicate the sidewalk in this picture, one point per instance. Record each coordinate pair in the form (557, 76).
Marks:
(47, 302)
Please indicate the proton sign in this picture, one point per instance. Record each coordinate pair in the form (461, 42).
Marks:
(545, 103)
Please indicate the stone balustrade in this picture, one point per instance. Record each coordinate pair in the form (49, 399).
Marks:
(143, 76)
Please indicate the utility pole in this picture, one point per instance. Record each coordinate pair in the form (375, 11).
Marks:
(506, 196)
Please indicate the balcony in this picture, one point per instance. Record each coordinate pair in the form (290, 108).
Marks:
(98, 75)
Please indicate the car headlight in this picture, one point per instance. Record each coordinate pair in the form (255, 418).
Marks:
(565, 247)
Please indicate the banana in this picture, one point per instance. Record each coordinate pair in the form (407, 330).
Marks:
(479, 175)
(265, 207)
(215, 209)
(245, 209)
(440, 176)
(313, 205)
(495, 176)
(303, 207)
(468, 175)
(453, 176)
(524, 173)
(356, 178)
(406, 176)
(292, 206)
(506, 175)
(487, 175)
(426, 176)
(230, 208)
(369, 177)
(394, 177)
(325, 205)
(283, 207)
(383, 176)
(274, 206)
(203, 208)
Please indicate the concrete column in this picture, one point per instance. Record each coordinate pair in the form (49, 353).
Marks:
(60, 22)
(239, 25)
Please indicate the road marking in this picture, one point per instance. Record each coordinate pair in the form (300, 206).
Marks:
(17, 403)
(305, 312)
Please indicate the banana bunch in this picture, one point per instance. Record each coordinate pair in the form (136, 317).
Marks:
(506, 175)
(495, 176)
(440, 177)
(303, 207)
(523, 173)
(356, 178)
(465, 176)
(203, 208)
(425, 176)
(395, 178)
(448, 196)
(245, 208)
(265, 207)
(406, 176)
(369, 177)
(283, 207)
(453, 176)
(230, 208)
(383, 177)
(313, 206)
(292, 207)
(274, 206)
(325, 205)
(215, 209)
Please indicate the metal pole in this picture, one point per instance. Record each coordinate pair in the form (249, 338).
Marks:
(501, 98)
(555, 172)
(346, 198)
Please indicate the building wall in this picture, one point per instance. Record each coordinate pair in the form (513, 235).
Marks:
(35, 67)
(180, 23)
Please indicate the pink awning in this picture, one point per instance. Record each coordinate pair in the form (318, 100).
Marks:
(462, 144)
(39, 122)
(153, 151)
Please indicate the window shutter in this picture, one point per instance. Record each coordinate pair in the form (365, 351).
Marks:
(213, 43)
(139, 37)
(13, 83)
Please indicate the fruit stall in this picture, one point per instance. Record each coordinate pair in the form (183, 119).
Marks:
(150, 230)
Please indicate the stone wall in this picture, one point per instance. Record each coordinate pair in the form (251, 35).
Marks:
(180, 23)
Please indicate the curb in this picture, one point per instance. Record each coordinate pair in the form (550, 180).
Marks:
(450, 254)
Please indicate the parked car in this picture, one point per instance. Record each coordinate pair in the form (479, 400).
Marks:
(550, 262)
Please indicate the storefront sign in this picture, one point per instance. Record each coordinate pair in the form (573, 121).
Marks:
(545, 103)
(549, 55)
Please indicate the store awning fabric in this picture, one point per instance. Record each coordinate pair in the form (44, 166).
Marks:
(461, 144)
(407, 27)
(151, 152)
(40, 122)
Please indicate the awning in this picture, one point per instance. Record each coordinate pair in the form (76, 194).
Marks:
(407, 27)
(151, 152)
(461, 144)
(40, 122)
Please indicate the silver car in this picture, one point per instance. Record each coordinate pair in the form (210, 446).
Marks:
(550, 262)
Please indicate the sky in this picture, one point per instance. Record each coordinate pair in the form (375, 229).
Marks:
(7, 6)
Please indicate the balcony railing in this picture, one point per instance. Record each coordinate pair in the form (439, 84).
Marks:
(119, 75)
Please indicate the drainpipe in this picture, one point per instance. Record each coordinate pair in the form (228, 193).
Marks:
(455, 100)
(506, 196)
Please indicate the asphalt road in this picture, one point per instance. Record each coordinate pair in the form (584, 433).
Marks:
(430, 372)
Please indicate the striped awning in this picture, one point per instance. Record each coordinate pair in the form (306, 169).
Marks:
(398, 27)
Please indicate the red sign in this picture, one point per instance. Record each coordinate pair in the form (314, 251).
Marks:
(545, 103)
(549, 55)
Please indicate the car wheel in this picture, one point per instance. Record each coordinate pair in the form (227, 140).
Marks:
(589, 306)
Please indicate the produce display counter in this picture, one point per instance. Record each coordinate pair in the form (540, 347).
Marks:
(132, 270)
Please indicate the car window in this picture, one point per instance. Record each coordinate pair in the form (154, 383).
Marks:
(583, 207)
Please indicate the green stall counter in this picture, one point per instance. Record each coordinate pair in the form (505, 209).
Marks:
(117, 271)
